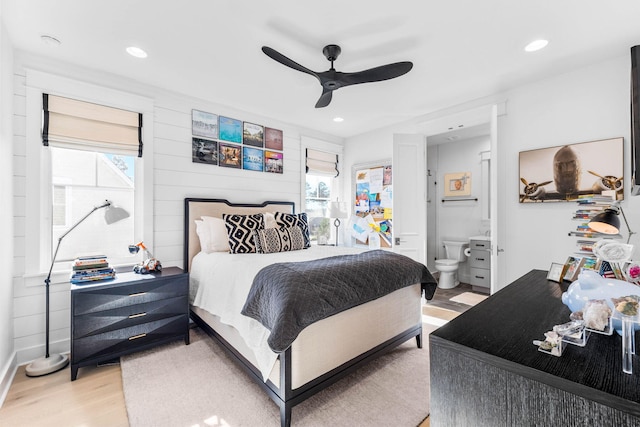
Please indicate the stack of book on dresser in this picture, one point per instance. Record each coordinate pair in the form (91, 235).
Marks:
(91, 269)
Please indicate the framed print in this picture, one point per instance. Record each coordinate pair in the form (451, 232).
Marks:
(273, 162)
(204, 124)
(555, 272)
(230, 129)
(204, 151)
(457, 184)
(252, 159)
(564, 173)
(273, 139)
(253, 135)
(229, 155)
(572, 268)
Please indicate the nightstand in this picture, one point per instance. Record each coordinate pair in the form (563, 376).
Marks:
(133, 312)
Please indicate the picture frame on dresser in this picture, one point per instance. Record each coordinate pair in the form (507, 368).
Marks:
(555, 272)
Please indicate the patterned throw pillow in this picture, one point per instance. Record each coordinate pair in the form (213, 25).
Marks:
(291, 220)
(239, 230)
(270, 240)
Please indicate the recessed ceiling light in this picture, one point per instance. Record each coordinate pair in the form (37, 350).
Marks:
(536, 45)
(137, 52)
(50, 40)
(338, 119)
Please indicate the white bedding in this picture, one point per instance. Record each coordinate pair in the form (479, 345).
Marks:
(220, 283)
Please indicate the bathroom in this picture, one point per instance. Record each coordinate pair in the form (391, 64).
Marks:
(451, 217)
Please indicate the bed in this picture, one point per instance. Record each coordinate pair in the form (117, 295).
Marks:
(320, 353)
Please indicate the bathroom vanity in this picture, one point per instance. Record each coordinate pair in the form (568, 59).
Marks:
(480, 263)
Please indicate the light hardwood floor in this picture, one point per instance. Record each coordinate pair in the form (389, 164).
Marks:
(96, 399)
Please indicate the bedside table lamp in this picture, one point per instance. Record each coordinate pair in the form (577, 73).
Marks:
(337, 210)
(55, 362)
(608, 221)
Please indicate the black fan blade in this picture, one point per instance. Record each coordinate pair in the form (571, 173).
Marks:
(277, 56)
(325, 98)
(377, 74)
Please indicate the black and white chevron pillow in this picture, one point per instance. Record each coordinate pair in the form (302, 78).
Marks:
(239, 230)
(271, 240)
(291, 220)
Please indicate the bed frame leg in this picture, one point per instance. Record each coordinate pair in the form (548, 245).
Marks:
(285, 414)
(419, 339)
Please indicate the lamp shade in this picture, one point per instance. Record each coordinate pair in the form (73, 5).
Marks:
(338, 210)
(114, 214)
(606, 222)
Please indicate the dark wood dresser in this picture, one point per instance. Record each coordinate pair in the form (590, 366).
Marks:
(133, 312)
(485, 370)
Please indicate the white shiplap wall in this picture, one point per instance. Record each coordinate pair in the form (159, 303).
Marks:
(175, 177)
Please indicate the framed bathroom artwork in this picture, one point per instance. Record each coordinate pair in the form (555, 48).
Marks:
(457, 184)
(566, 172)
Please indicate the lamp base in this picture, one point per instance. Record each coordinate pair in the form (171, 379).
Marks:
(47, 365)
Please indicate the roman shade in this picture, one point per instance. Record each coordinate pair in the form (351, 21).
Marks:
(321, 163)
(69, 123)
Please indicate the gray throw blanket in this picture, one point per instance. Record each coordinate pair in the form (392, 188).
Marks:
(287, 297)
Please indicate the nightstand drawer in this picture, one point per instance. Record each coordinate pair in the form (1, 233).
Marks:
(122, 341)
(109, 298)
(124, 317)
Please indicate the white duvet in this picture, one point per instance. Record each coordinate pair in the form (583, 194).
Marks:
(220, 283)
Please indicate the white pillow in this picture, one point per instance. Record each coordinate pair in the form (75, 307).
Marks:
(213, 234)
(269, 220)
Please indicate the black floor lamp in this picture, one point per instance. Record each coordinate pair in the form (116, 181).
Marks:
(54, 362)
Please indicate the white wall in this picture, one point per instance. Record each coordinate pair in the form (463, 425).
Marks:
(588, 104)
(7, 355)
(175, 177)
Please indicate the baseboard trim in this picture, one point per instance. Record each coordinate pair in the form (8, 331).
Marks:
(8, 373)
(28, 355)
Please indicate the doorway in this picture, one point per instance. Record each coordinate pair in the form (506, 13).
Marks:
(446, 130)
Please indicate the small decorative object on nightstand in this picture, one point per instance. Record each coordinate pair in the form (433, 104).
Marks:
(127, 314)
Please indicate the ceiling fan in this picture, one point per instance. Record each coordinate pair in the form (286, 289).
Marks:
(332, 80)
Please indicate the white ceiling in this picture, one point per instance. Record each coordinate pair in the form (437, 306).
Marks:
(461, 49)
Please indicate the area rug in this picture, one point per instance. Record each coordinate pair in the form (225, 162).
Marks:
(437, 316)
(469, 298)
(199, 385)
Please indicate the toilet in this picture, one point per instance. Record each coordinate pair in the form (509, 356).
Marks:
(448, 267)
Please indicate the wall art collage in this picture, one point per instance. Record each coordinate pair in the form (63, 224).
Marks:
(232, 143)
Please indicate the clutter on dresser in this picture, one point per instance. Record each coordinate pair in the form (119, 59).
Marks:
(91, 268)
(149, 263)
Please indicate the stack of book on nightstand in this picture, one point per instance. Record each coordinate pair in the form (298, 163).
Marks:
(91, 269)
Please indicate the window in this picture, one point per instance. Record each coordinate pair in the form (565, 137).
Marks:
(91, 179)
(317, 198)
(55, 201)
(322, 185)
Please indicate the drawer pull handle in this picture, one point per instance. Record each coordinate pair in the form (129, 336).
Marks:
(480, 259)
(477, 277)
(133, 316)
(135, 337)
(139, 294)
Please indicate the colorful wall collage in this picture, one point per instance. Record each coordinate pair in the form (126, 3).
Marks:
(232, 143)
